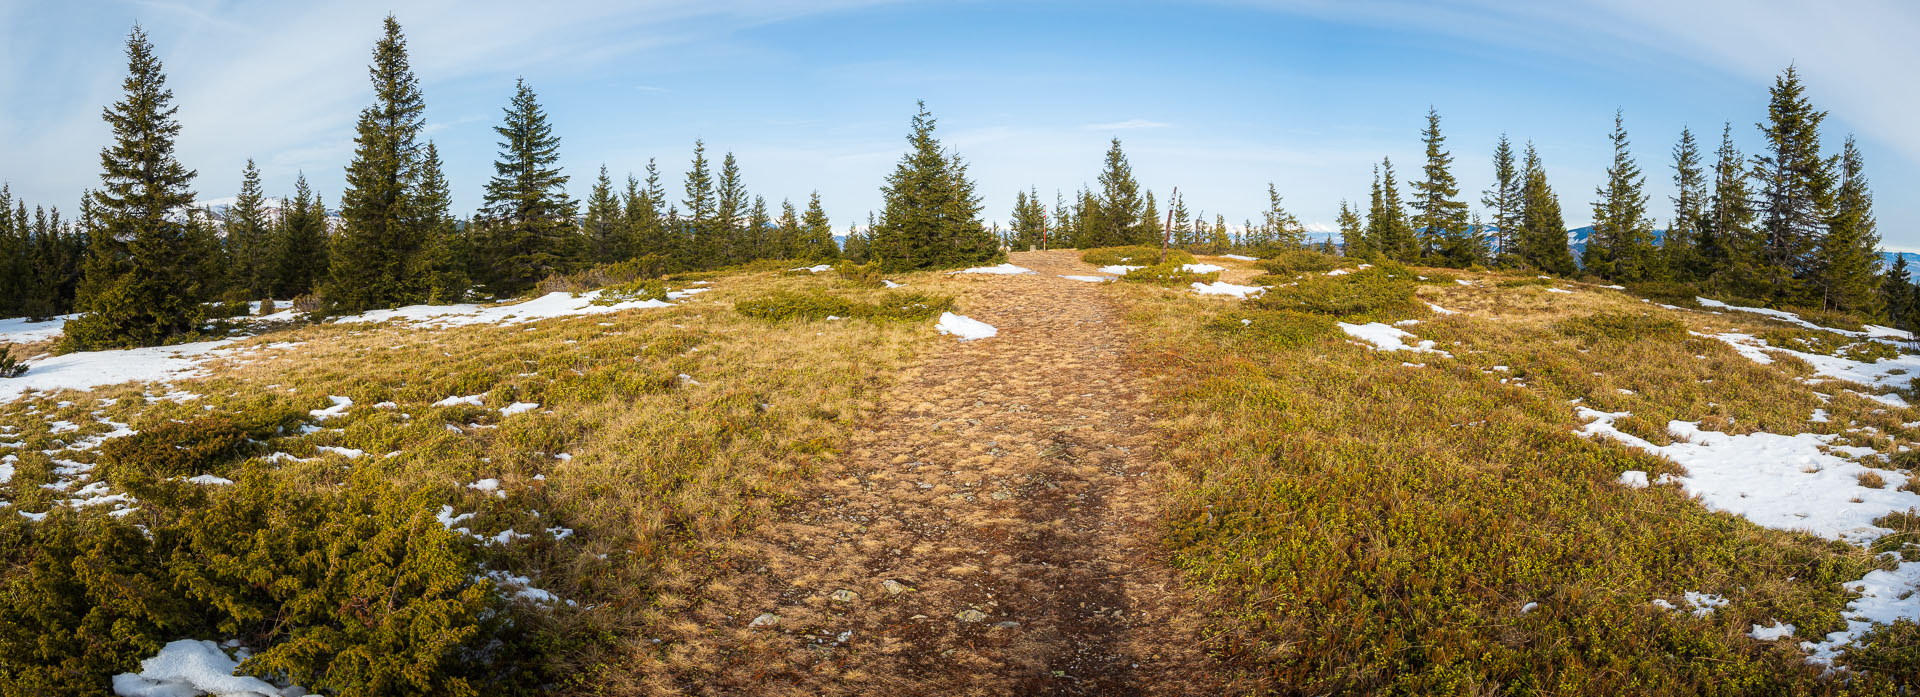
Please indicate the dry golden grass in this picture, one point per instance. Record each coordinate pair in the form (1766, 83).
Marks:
(1373, 527)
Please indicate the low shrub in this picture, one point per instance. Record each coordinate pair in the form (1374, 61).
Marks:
(1140, 255)
(1890, 650)
(1830, 318)
(1277, 328)
(10, 367)
(1171, 274)
(1371, 294)
(356, 592)
(1828, 343)
(1524, 282)
(1622, 326)
(780, 306)
(1298, 261)
(860, 275)
(632, 291)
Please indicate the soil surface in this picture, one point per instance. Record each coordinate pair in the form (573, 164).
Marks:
(990, 530)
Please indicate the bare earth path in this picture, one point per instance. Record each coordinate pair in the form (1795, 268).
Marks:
(988, 531)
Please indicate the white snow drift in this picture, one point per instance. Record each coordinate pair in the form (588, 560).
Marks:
(966, 328)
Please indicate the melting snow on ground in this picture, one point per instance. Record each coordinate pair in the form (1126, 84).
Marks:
(817, 268)
(1896, 372)
(555, 304)
(1119, 269)
(87, 370)
(188, 667)
(1089, 279)
(1800, 482)
(21, 330)
(1872, 331)
(1240, 257)
(1002, 270)
(1388, 338)
(1201, 268)
(1225, 288)
(966, 328)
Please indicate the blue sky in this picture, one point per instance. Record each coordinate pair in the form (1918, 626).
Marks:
(1216, 98)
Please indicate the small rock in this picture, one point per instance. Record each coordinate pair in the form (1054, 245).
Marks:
(894, 587)
(1002, 495)
(766, 619)
(844, 596)
(1007, 625)
(970, 615)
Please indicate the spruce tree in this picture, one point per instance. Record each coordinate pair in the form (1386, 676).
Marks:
(1541, 241)
(1280, 228)
(693, 236)
(931, 215)
(727, 244)
(787, 233)
(1353, 233)
(1502, 199)
(1028, 218)
(300, 249)
(605, 226)
(1387, 224)
(816, 233)
(1689, 207)
(1621, 247)
(1114, 220)
(1729, 254)
(249, 239)
(442, 264)
(1795, 189)
(528, 219)
(758, 229)
(1440, 220)
(142, 281)
(380, 235)
(645, 211)
(856, 247)
(1149, 228)
(1846, 271)
(1896, 296)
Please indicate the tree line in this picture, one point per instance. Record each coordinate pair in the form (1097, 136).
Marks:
(142, 266)
(1788, 226)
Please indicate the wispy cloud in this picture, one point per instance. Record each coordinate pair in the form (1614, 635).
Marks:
(1127, 125)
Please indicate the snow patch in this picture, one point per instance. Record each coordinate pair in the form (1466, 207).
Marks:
(555, 304)
(1229, 289)
(966, 328)
(1001, 270)
(191, 667)
(1388, 338)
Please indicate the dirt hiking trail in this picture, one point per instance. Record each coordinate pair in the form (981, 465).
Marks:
(989, 530)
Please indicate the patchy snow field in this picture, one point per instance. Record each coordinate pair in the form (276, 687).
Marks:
(555, 304)
(1001, 270)
(1229, 289)
(1388, 338)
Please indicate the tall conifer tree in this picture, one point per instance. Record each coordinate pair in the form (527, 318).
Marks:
(249, 238)
(1502, 199)
(380, 233)
(816, 232)
(1847, 267)
(1682, 242)
(1440, 220)
(605, 226)
(442, 265)
(301, 248)
(143, 283)
(1541, 241)
(528, 219)
(1795, 188)
(931, 215)
(1621, 247)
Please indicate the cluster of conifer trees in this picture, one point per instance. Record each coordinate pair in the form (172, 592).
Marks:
(1121, 213)
(1789, 226)
(142, 265)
